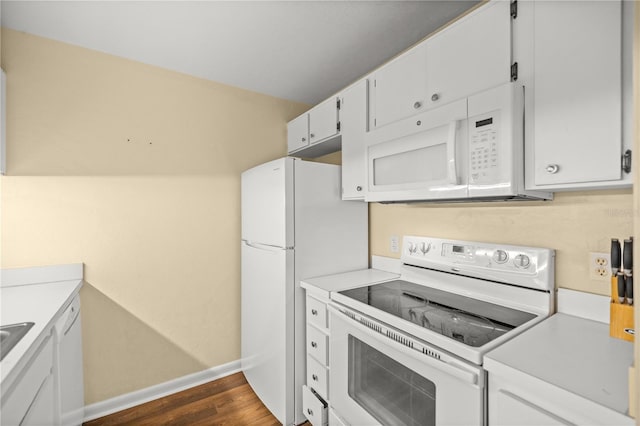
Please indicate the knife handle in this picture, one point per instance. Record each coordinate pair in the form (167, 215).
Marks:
(629, 288)
(621, 287)
(616, 256)
(627, 257)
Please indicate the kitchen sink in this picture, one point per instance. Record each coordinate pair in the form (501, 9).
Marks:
(11, 334)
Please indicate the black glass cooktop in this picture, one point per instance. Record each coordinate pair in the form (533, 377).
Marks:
(470, 321)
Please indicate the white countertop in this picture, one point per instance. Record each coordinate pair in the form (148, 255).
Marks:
(573, 354)
(337, 282)
(39, 303)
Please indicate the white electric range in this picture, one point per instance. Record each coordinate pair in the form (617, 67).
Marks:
(409, 351)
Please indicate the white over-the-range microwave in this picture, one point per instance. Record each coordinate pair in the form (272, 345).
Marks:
(467, 150)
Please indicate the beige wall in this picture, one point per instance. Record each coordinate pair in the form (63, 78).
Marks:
(134, 171)
(574, 224)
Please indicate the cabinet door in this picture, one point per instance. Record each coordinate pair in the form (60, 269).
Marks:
(323, 121)
(42, 409)
(400, 88)
(298, 133)
(577, 85)
(515, 411)
(32, 394)
(472, 55)
(353, 124)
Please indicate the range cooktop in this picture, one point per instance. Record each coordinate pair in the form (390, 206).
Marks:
(464, 319)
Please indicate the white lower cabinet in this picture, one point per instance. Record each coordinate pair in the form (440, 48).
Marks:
(315, 395)
(515, 410)
(42, 410)
(30, 401)
(334, 419)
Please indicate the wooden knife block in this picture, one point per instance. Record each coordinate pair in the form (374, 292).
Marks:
(621, 319)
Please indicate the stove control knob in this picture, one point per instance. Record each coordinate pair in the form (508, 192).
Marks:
(522, 261)
(413, 247)
(500, 256)
(425, 247)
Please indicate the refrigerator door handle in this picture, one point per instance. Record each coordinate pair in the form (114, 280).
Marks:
(261, 246)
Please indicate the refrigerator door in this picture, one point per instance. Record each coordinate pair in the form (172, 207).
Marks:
(266, 321)
(267, 203)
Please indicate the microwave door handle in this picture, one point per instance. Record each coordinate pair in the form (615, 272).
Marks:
(452, 175)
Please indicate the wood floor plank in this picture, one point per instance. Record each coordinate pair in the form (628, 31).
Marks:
(226, 401)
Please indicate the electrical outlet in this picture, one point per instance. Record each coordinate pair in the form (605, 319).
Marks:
(394, 244)
(600, 266)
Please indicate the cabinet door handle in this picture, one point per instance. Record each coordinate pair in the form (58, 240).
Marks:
(309, 412)
(312, 135)
(552, 168)
(417, 105)
(358, 188)
(314, 312)
(435, 97)
(314, 345)
(314, 377)
(304, 139)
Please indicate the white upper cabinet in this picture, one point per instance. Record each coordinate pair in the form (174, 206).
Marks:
(573, 56)
(472, 55)
(324, 121)
(298, 132)
(3, 121)
(399, 89)
(353, 115)
(316, 132)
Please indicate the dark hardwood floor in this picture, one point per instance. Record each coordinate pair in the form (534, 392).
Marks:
(226, 401)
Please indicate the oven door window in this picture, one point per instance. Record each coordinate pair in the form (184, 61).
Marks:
(386, 389)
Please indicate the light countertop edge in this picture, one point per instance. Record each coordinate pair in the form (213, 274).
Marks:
(572, 354)
(324, 285)
(39, 303)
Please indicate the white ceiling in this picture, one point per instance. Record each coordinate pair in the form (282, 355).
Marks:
(298, 50)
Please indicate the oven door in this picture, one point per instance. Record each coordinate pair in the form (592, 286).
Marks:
(376, 379)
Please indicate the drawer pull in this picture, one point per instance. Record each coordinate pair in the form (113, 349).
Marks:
(314, 312)
(314, 377)
(309, 411)
(314, 345)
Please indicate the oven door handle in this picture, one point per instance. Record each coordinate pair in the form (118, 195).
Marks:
(431, 357)
(461, 373)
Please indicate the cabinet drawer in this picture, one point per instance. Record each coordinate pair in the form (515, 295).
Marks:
(314, 409)
(317, 377)
(316, 312)
(318, 345)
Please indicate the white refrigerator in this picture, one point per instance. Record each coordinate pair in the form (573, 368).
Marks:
(294, 226)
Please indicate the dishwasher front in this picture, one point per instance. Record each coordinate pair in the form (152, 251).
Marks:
(68, 366)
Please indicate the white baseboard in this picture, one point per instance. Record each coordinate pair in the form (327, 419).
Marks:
(122, 402)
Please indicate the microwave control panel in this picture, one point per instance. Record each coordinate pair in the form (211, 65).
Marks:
(484, 157)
